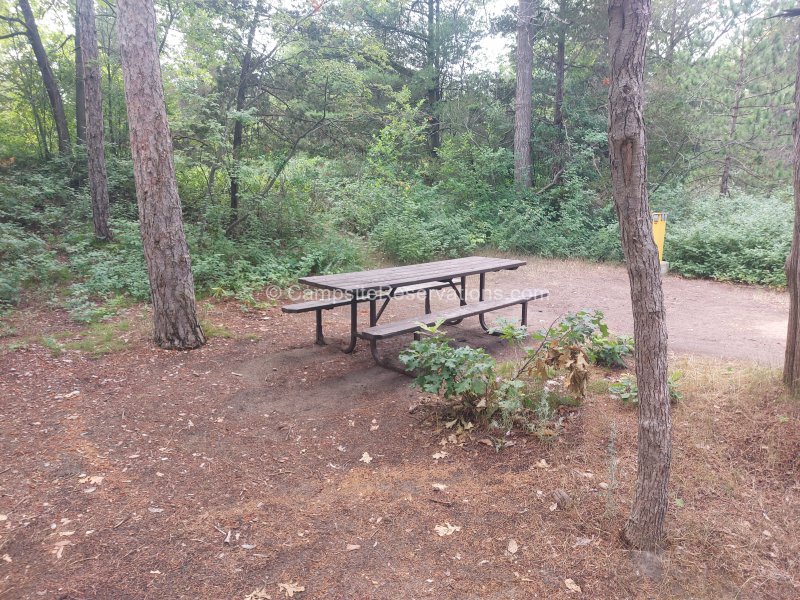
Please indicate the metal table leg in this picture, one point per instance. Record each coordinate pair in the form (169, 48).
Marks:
(353, 326)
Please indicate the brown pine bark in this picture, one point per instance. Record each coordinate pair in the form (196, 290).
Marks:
(523, 99)
(561, 65)
(791, 366)
(49, 80)
(80, 96)
(160, 219)
(95, 137)
(628, 24)
(434, 91)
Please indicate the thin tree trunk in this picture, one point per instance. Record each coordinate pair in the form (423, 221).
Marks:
(434, 92)
(561, 66)
(791, 366)
(724, 182)
(628, 23)
(80, 97)
(523, 99)
(49, 80)
(95, 138)
(241, 91)
(160, 218)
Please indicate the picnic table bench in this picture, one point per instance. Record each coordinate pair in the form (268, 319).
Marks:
(382, 285)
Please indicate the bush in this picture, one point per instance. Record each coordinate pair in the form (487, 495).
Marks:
(741, 238)
(25, 260)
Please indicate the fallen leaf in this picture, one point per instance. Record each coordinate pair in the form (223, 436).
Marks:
(6, 558)
(542, 464)
(66, 533)
(258, 594)
(155, 572)
(603, 485)
(153, 509)
(290, 588)
(89, 490)
(582, 541)
(351, 547)
(248, 546)
(513, 546)
(553, 506)
(572, 586)
(94, 479)
(446, 529)
(486, 442)
(58, 547)
(440, 454)
(3, 517)
(439, 487)
(365, 458)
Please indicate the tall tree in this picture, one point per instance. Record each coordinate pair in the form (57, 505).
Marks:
(523, 98)
(95, 138)
(791, 366)
(628, 21)
(80, 94)
(160, 218)
(241, 91)
(51, 85)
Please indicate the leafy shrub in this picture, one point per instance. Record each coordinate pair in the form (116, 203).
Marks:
(741, 238)
(589, 331)
(25, 260)
(626, 389)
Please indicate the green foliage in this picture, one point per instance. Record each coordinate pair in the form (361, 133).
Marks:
(590, 331)
(483, 391)
(25, 260)
(627, 391)
(741, 238)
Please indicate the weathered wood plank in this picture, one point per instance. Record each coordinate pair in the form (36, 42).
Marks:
(339, 300)
(413, 324)
(384, 279)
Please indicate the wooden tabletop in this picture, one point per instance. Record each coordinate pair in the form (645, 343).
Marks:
(392, 277)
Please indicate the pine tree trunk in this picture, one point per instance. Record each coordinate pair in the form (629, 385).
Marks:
(561, 66)
(628, 24)
(241, 91)
(49, 80)
(80, 97)
(95, 137)
(434, 91)
(791, 367)
(523, 99)
(160, 218)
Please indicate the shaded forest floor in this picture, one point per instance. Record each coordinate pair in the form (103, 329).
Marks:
(231, 470)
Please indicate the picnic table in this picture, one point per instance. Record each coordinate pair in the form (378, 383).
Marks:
(382, 285)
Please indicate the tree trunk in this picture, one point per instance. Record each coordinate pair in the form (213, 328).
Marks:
(241, 91)
(160, 219)
(791, 366)
(724, 182)
(561, 65)
(434, 92)
(80, 97)
(95, 138)
(49, 80)
(523, 99)
(628, 23)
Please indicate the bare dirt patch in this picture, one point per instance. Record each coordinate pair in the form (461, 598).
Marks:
(123, 475)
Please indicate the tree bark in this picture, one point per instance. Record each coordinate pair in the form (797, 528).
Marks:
(791, 366)
(561, 65)
(80, 97)
(168, 264)
(523, 99)
(241, 91)
(434, 92)
(95, 137)
(628, 24)
(49, 80)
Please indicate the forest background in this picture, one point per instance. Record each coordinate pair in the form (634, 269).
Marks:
(324, 136)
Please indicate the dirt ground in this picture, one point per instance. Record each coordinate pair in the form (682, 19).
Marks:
(261, 464)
